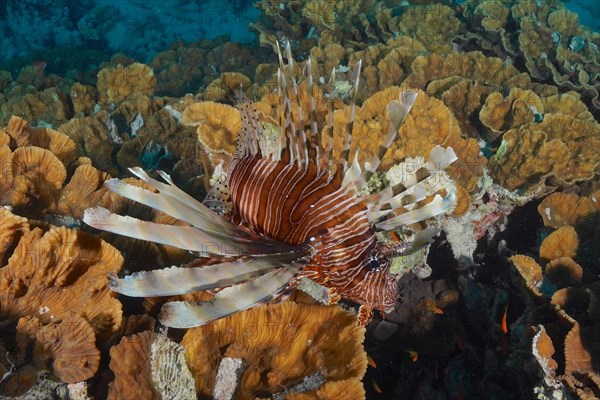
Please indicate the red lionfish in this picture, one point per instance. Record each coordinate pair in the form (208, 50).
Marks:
(287, 210)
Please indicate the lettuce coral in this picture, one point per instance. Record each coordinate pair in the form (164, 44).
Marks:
(281, 344)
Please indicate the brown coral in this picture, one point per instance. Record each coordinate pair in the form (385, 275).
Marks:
(130, 362)
(22, 135)
(118, 84)
(281, 344)
(67, 348)
(561, 147)
(433, 25)
(560, 209)
(31, 178)
(93, 139)
(49, 106)
(429, 123)
(530, 271)
(502, 113)
(84, 98)
(84, 189)
(224, 87)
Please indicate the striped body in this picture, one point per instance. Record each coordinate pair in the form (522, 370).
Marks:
(285, 209)
(292, 204)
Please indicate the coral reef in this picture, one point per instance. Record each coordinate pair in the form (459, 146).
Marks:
(299, 340)
(504, 302)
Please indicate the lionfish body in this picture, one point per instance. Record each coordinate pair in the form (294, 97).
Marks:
(298, 205)
(286, 210)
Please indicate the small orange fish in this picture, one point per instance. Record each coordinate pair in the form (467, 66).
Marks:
(377, 388)
(371, 362)
(414, 356)
(437, 310)
(503, 324)
(432, 306)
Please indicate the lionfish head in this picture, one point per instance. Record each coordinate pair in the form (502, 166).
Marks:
(377, 264)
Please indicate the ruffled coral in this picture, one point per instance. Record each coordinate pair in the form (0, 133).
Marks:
(223, 88)
(217, 126)
(121, 83)
(429, 123)
(59, 144)
(560, 209)
(560, 146)
(261, 336)
(49, 106)
(433, 25)
(58, 274)
(31, 179)
(130, 362)
(67, 348)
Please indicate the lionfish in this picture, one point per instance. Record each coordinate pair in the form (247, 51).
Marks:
(285, 210)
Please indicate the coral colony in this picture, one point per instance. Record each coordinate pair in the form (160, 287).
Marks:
(299, 200)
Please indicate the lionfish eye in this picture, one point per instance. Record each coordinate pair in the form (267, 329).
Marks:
(373, 264)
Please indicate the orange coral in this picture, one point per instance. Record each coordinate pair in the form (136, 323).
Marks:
(58, 143)
(218, 126)
(563, 242)
(493, 14)
(31, 178)
(320, 13)
(530, 271)
(85, 189)
(433, 25)
(502, 113)
(281, 344)
(224, 86)
(84, 98)
(48, 106)
(560, 209)
(58, 274)
(429, 123)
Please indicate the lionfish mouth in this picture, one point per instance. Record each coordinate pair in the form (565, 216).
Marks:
(287, 209)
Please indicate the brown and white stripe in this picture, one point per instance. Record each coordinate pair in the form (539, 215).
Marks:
(293, 211)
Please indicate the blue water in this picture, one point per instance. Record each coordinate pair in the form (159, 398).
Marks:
(137, 28)
(140, 28)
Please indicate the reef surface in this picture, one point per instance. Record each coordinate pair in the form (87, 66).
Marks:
(502, 305)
